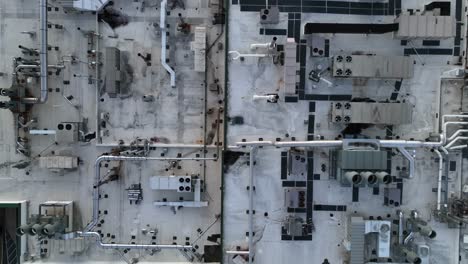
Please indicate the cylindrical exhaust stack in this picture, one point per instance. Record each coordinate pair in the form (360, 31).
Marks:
(24, 229)
(369, 177)
(51, 229)
(353, 177)
(37, 229)
(411, 256)
(383, 177)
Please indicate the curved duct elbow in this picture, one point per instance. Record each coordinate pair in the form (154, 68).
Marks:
(369, 177)
(411, 256)
(383, 177)
(51, 229)
(353, 177)
(37, 229)
(426, 231)
(24, 229)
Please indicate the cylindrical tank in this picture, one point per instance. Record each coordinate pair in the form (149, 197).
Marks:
(51, 229)
(383, 177)
(24, 229)
(37, 229)
(369, 177)
(353, 177)
(425, 230)
(411, 256)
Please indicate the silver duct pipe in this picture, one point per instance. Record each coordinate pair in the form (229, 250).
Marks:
(410, 160)
(162, 25)
(97, 176)
(130, 246)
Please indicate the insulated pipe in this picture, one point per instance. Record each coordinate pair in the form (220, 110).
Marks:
(32, 66)
(162, 24)
(410, 160)
(400, 227)
(456, 134)
(455, 141)
(456, 116)
(251, 186)
(158, 145)
(439, 181)
(459, 147)
(43, 52)
(233, 252)
(129, 246)
(97, 176)
(446, 124)
(383, 177)
(339, 143)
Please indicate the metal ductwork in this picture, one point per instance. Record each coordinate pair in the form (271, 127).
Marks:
(353, 177)
(37, 229)
(24, 230)
(51, 229)
(424, 230)
(369, 177)
(383, 177)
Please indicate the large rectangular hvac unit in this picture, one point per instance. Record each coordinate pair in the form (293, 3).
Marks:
(372, 113)
(372, 66)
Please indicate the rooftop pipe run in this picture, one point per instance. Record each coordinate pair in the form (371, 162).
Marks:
(43, 52)
(162, 25)
(129, 246)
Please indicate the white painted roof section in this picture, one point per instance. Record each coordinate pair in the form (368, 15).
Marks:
(85, 5)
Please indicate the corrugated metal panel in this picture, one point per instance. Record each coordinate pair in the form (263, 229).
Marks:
(357, 240)
(362, 160)
(427, 26)
(290, 66)
(112, 69)
(465, 99)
